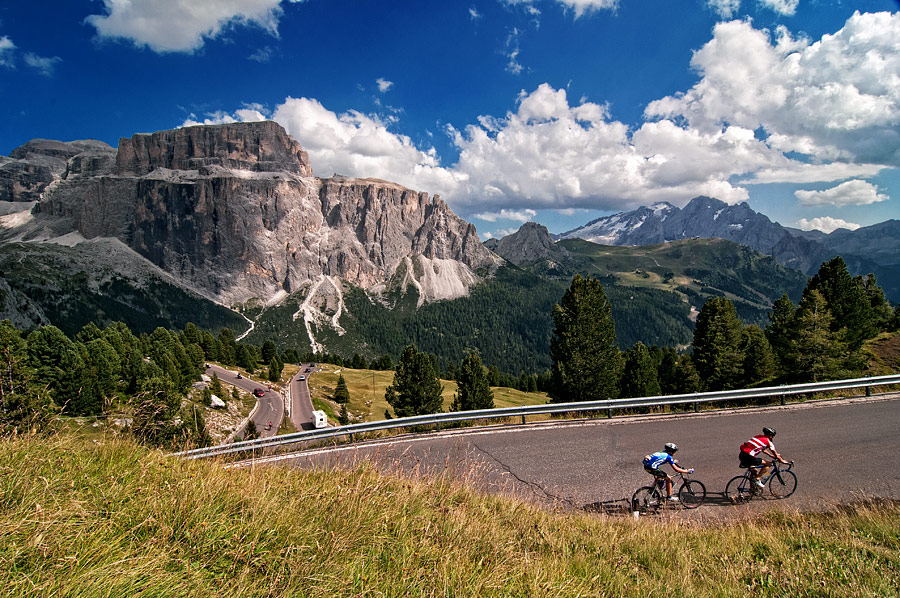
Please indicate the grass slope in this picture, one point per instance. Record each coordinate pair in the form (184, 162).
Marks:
(113, 519)
(369, 406)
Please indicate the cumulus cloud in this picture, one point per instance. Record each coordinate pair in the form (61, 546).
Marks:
(181, 25)
(583, 6)
(7, 48)
(517, 215)
(499, 233)
(383, 84)
(43, 65)
(850, 193)
(826, 224)
(836, 99)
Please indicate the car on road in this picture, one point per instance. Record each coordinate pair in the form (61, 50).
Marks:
(258, 392)
(302, 378)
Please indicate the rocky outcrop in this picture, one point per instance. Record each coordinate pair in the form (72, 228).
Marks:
(530, 244)
(255, 147)
(30, 168)
(234, 211)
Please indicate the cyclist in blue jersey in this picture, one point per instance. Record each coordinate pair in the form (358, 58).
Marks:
(653, 461)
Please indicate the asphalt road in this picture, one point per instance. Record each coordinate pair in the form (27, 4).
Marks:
(271, 404)
(844, 450)
(301, 403)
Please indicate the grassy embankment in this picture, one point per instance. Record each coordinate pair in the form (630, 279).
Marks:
(112, 519)
(371, 406)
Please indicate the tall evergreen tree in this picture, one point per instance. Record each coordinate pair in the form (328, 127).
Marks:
(473, 390)
(58, 364)
(269, 350)
(226, 347)
(687, 380)
(341, 393)
(846, 300)
(416, 389)
(759, 359)
(817, 353)
(639, 378)
(275, 368)
(24, 401)
(780, 331)
(667, 371)
(717, 338)
(586, 359)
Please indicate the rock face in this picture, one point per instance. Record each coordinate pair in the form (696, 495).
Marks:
(530, 244)
(30, 168)
(234, 211)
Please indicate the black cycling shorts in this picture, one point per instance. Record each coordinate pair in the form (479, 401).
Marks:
(748, 460)
(656, 473)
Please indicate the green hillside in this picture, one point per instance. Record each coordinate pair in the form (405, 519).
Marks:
(508, 317)
(108, 518)
(71, 288)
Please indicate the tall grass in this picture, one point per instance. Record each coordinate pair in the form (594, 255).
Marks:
(84, 518)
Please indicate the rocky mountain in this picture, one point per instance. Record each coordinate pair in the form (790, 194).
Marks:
(234, 212)
(532, 243)
(871, 249)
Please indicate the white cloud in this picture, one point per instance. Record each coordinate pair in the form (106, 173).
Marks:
(181, 25)
(7, 48)
(782, 7)
(834, 99)
(474, 14)
(724, 8)
(583, 6)
(801, 172)
(383, 84)
(850, 193)
(499, 233)
(262, 55)
(42, 64)
(826, 224)
(517, 215)
(511, 49)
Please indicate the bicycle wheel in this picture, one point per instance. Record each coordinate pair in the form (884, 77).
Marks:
(692, 494)
(783, 484)
(738, 490)
(645, 499)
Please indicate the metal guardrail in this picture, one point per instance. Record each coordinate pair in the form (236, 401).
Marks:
(437, 419)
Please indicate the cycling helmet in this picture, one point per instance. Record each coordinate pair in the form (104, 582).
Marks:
(770, 432)
(670, 448)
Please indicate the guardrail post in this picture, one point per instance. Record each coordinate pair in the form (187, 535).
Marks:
(351, 437)
(609, 413)
(523, 419)
(783, 400)
(868, 391)
(437, 426)
(696, 407)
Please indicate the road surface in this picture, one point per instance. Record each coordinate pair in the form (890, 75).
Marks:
(301, 403)
(844, 450)
(270, 405)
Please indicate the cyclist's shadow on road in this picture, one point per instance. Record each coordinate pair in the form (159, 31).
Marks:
(623, 507)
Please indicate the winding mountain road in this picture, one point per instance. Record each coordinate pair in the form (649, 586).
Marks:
(844, 450)
(270, 406)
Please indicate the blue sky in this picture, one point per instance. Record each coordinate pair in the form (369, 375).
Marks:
(556, 111)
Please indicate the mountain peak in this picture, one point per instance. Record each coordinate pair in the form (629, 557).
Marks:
(262, 146)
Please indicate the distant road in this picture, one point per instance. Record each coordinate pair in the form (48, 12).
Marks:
(843, 449)
(301, 402)
(271, 404)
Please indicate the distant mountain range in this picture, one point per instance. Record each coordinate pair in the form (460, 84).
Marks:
(874, 249)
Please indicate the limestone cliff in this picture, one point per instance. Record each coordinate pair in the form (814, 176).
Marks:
(234, 211)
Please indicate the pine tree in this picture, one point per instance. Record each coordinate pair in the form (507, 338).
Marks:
(269, 350)
(759, 360)
(251, 432)
(668, 367)
(816, 352)
(687, 380)
(780, 331)
(639, 377)
(586, 359)
(846, 300)
(275, 367)
(341, 393)
(416, 389)
(717, 339)
(344, 417)
(473, 390)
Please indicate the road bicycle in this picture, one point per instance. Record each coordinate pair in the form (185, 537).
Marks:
(782, 482)
(648, 499)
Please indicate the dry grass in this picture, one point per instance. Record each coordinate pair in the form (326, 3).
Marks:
(111, 519)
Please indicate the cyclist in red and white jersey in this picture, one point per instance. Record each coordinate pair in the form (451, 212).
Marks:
(750, 450)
